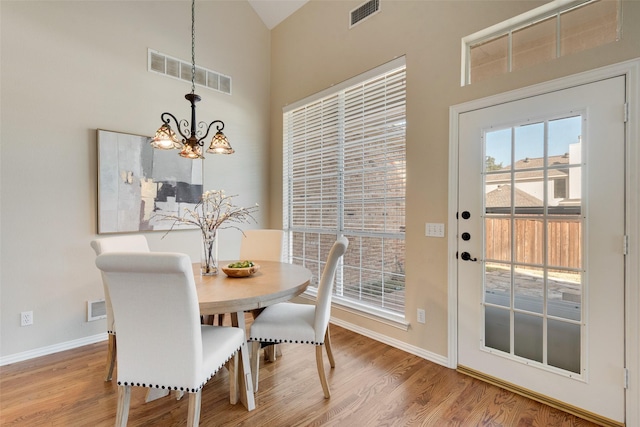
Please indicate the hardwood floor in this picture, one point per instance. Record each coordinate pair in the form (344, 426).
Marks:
(372, 385)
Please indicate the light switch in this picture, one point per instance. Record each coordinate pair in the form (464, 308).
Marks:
(434, 229)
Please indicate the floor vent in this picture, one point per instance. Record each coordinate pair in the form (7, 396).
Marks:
(363, 12)
(172, 67)
(96, 310)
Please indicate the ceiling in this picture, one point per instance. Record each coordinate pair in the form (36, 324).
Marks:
(272, 12)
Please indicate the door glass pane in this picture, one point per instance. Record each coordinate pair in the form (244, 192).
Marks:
(563, 347)
(528, 287)
(565, 141)
(564, 294)
(497, 284)
(529, 241)
(498, 197)
(496, 328)
(564, 243)
(527, 333)
(497, 171)
(498, 150)
(529, 192)
(498, 239)
(529, 146)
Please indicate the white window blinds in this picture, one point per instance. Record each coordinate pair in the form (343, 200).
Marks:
(344, 174)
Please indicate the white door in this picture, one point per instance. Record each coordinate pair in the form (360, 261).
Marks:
(540, 240)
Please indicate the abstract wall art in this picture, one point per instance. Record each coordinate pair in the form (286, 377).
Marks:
(137, 182)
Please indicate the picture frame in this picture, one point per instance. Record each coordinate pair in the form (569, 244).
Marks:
(136, 183)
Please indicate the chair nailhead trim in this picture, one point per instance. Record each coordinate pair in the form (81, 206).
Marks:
(187, 389)
(279, 341)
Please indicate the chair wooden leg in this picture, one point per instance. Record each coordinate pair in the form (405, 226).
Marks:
(124, 398)
(245, 380)
(111, 357)
(323, 378)
(193, 418)
(221, 319)
(271, 353)
(232, 365)
(255, 363)
(327, 344)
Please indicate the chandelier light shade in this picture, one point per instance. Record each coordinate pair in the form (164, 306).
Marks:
(165, 138)
(220, 144)
(192, 139)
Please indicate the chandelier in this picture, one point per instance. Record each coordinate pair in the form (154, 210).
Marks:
(192, 139)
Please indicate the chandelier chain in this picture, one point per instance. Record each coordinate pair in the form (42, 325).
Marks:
(193, 46)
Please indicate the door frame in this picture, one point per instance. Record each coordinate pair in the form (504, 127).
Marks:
(631, 70)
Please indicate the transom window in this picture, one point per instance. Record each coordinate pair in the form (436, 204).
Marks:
(344, 174)
(556, 29)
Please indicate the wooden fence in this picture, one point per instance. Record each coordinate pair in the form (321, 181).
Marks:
(563, 250)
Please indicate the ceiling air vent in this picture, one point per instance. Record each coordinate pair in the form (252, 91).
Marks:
(364, 11)
(160, 63)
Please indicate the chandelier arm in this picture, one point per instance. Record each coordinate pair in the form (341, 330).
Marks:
(219, 128)
(165, 118)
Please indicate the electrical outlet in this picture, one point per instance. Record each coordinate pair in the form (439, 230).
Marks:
(421, 316)
(26, 318)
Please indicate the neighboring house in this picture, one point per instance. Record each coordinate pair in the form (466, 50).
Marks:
(563, 183)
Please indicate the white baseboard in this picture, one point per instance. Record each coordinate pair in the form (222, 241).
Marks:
(420, 352)
(43, 351)
(68, 345)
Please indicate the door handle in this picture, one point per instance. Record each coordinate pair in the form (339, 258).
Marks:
(466, 256)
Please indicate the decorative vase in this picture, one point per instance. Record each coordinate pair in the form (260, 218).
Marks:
(209, 259)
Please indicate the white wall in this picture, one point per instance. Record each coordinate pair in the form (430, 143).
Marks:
(68, 68)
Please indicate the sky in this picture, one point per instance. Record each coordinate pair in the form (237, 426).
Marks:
(529, 140)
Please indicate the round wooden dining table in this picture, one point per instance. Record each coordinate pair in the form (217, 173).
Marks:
(274, 282)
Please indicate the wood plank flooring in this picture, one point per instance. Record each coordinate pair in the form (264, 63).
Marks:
(372, 385)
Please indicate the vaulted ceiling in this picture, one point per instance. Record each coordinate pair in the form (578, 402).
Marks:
(272, 12)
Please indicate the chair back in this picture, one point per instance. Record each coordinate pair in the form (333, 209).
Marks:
(155, 301)
(325, 287)
(265, 245)
(127, 243)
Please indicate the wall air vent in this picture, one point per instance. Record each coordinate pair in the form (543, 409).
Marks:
(96, 310)
(160, 63)
(363, 12)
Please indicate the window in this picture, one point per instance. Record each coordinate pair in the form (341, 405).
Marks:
(558, 28)
(560, 188)
(344, 174)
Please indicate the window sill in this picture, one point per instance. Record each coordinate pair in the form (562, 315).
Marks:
(372, 313)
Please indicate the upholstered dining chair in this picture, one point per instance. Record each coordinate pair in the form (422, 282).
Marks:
(161, 342)
(301, 323)
(127, 243)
